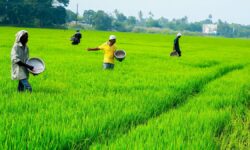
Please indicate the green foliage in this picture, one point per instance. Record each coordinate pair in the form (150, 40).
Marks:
(88, 16)
(131, 20)
(119, 26)
(71, 16)
(52, 13)
(38, 13)
(77, 105)
(152, 23)
(64, 2)
(120, 22)
(120, 17)
(205, 118)
(102, 21)
(233, 30)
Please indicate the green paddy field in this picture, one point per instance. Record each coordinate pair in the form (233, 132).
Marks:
(150, 101)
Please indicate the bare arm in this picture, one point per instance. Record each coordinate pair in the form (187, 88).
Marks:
(93, 49)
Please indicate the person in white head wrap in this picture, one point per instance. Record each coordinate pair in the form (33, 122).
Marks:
(177, 50)
(109, 49)
(19, 56)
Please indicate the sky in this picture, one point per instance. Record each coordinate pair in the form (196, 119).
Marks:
(232, 11)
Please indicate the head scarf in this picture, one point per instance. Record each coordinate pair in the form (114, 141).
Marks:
(19, 35)
(179, 35)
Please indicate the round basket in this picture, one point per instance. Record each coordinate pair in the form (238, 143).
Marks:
(38, 64)
(120, 55)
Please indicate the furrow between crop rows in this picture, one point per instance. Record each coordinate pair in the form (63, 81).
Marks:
(210, 120)
(162, 106)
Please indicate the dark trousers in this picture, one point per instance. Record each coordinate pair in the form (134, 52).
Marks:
(24, 85)
(179, 52)
(75, 41)
(108, 66)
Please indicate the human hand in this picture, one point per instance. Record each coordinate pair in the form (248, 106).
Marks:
(31, 68)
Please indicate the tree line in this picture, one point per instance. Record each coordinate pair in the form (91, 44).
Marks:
(34, 13)
(52, 13)
(117, 21)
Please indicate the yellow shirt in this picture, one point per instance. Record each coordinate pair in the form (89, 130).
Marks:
(108, 52)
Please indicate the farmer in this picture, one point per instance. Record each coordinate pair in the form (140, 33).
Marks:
(76, 38)
(109, 48)
(19, 56)
(176, 48)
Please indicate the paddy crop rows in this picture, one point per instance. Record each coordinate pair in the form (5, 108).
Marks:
(209, 120)
(76, 105)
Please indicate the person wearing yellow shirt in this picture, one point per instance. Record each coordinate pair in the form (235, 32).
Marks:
(109, 48)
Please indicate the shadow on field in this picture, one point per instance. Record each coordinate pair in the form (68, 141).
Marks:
(176, 100)
(47, 90)
(204, 64)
